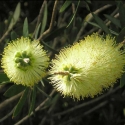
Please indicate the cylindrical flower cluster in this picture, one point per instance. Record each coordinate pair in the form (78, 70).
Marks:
(24, 61)
(87, 67)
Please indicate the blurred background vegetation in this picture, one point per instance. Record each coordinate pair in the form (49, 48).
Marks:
(58, 23)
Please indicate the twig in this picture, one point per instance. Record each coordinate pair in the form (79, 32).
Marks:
(40, 15)
(37, 109)
(89, 18)
(87, 103)
(5, 117)
(5, 34)
(86, 113)
(8, 101)
(108, 23)
(48, 112)
(52, 21)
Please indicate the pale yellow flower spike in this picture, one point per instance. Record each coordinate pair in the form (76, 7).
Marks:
(87, 67)
(24, 61)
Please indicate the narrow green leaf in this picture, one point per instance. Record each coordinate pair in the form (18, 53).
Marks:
(101, 23)
(87, 5)
(13, 90)
(52, 100)
(122, 80)
(13, 35)
(37, 31)
(113, 32)
(25, 28)
(42, 83)
(113, 20)
(55, 33)
(49, 47)
(3, 77)
(121, 36)
(33, 100)
(121, 7)
(94, 24)
(65, 5)
(44, 20)
(21, 102)
(15, 16)
(74, 14)
(43, 92)
(5, 82)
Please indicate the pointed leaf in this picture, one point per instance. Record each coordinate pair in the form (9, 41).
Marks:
(113, 32)
(121, 7)
(74, 14)
(13, 90)
(121, 36)
(44, 21)
(65, 5)
(49, 47)
(3, 77)
(21, 102)
(113, 20)
(33, 100)
(25, 28)
(101, 23)
(13, 35)
(94, 24)
(122, 80)
(43, 92)
(37, 31)
(15, 16)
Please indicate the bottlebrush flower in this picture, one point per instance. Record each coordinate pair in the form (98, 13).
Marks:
(87, 67)
(24, 61)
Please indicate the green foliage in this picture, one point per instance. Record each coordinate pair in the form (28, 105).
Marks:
(37, 31)
(121, 8)
(101, 23)
(74, 13)
(21, 102)
(44, 20)
(33, 99)
(121, 35)
(14, 90)
(113, 20)
(25, 28)
(65, 5)
(72, 21)
(3, 78)
(122, 80)
(15, 16)
(13, 35)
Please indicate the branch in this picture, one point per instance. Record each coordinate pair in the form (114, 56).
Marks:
(87, 103)
(37, 109)
(88, 18)
(40, 15)
(52, 21)
(10, 100)
(5, 117)
(5, 34)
